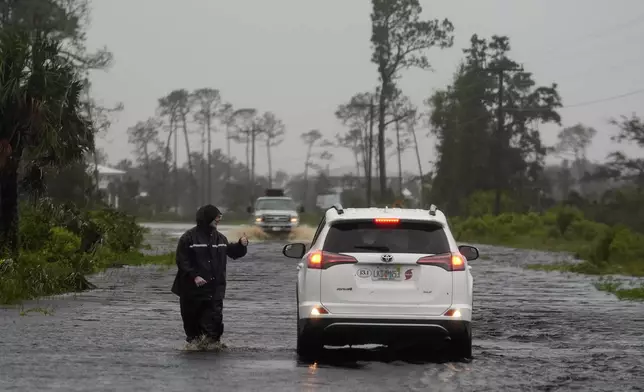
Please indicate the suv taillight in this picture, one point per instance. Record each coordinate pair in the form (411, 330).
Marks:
(323, 260)
(447, 261)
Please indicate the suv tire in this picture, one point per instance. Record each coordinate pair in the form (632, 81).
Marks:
(461, 346)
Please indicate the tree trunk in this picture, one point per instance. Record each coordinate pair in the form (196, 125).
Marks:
(209, 130)
(357, 154)
(420, 166)
(166, 170)
(400, 187)
(229, 169)
(252, 156)
(204, 180)
(270, 164)
(9, 218)
(370, 157)
(176, 172)
(248, 158)
(382, 169)
(193, 178)
(306, 173)
(148, 174)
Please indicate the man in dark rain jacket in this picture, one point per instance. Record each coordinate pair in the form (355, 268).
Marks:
(200, 282)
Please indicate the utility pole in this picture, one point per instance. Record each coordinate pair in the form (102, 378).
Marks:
(501, 139)
(209, 182)
(370, 152)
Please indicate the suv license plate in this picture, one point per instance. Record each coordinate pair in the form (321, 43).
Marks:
(386, 274)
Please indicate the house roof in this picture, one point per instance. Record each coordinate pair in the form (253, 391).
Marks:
(105, 169)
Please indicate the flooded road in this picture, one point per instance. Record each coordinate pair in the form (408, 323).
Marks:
(532, 331)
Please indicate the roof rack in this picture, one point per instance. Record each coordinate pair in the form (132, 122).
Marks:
(432, 210)
(338, 208)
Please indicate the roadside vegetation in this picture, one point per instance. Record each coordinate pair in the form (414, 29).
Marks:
(602, 249)
(61, 245)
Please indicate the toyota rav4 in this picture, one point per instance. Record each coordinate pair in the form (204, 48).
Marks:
(385, 276)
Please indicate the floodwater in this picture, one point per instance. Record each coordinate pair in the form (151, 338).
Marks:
(532, 331)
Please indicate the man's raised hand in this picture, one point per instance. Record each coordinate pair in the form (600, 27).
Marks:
(244, 240)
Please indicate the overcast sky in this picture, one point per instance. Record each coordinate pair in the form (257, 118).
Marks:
(301, 58)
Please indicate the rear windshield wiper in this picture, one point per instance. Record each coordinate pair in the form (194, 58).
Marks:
(373, 247)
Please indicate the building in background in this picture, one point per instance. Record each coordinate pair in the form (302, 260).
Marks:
(107, 178)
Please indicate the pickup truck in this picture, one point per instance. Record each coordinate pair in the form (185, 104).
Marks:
(275, 213)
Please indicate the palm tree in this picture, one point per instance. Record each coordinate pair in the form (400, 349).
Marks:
(40, 120)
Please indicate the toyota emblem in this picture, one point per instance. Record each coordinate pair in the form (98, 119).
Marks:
(386, 258)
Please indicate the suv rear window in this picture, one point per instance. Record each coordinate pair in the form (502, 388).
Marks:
(369, 237)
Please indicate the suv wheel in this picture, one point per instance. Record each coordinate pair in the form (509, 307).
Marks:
(462, 346)
(306, 348)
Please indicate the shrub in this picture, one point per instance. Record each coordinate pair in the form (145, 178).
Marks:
(61, 244)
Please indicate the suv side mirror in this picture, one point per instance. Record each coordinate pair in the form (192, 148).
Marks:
(249, 209)
(470, 252)
(294, 251)
(300, 209)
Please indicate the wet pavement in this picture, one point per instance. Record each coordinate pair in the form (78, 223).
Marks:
(533, 331)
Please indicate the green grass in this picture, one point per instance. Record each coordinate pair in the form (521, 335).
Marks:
(529, 242)
(621, 292)
(626, 268)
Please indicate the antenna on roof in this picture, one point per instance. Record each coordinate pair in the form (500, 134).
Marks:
(432, 210)
(338, 207)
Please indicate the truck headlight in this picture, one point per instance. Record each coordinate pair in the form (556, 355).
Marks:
(294, 219)
(258, 219)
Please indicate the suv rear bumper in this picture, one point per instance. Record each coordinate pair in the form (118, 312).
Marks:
(354, 331)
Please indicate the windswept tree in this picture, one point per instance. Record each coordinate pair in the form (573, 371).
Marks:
(358, 115)
(101, 117)
(575, 141)
(631, 130)
(64, 21)
(351, 140)
(175, 107)
(227, 119)
(41, 123)
(400, 40)
(245, 124)
(463, 119)
(144, 135)
(403, 110)
(208, 105)
(410, 124)
(309, 138)
(273, 130)
(169, 109)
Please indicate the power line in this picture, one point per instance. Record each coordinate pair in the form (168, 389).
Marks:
(614, 97)
(597, 33)
(600, 33)
(579, 104)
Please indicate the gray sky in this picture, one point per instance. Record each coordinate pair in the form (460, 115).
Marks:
(301, 58)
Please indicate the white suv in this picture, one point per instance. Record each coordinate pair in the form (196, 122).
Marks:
(384, 276)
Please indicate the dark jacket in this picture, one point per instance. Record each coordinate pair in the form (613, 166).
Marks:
(203, 251)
